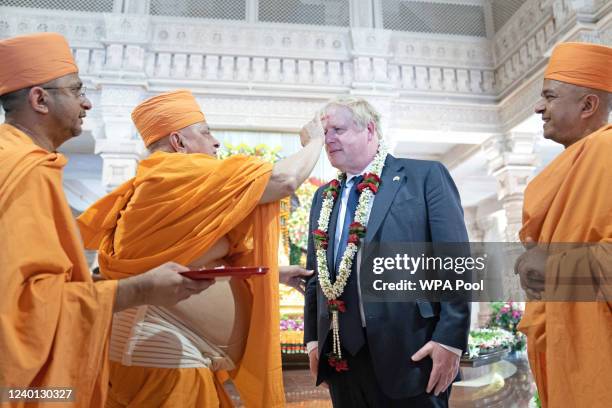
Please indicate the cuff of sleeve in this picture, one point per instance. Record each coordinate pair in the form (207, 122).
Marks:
(452, 349)
(311, 345)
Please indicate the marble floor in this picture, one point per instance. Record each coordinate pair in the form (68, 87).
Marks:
(505, 384)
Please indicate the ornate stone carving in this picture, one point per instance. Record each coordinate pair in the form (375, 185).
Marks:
(443, 117)
(125, 28)
(289, 69)
(520, 105)
(370, 42)
(319, 72)
(413, 48)
(363, 69)
(511, 160)
(247, 39)
(304, 72)
(179, 66)
(89, 29)
(212, 66)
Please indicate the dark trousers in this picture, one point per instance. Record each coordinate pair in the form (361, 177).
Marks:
(359, 388)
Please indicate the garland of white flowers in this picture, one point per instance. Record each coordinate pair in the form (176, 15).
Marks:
(334, 290)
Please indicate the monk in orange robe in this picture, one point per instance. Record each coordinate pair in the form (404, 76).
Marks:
(54, 320)
(186, 205)
(570, 201)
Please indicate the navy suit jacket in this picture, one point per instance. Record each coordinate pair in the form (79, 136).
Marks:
(417, 202)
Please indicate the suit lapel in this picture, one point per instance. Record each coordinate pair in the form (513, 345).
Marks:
(390, 183)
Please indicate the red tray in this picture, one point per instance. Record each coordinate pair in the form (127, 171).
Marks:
(242, 272)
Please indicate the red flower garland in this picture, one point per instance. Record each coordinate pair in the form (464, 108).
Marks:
(333, 189)
(336, 304)
(371, 181)
(321, 238)
(339, 364)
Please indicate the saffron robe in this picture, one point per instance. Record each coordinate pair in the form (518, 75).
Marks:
(54, 320)
(175, 209)
(569, 343)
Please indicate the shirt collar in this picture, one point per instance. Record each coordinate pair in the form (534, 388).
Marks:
(368, 169)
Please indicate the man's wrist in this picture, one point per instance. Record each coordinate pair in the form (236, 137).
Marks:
(316, 141)
(454, 350)
(312, 346)
(129, 294)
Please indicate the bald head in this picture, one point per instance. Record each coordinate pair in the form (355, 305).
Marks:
(571, 112)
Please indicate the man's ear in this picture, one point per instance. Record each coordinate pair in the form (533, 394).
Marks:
(176, 141)
(371, 130)
(38, 100)
(590, 105)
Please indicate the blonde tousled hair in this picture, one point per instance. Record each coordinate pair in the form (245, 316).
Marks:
(363, 112)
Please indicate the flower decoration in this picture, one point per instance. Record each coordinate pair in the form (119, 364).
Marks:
(507, 315)
(336, 304)
(371, 181)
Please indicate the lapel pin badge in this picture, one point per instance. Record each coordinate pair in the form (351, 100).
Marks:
(396, 178)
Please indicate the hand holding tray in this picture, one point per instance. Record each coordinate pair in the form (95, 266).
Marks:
(240, 272)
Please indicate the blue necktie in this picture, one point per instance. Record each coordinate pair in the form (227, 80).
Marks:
(349, 217)
(352, 335)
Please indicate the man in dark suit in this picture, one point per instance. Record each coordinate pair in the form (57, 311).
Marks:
(399, 354)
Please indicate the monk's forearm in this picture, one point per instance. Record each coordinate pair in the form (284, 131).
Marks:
(130, 293)
(161, 286)
(289, 173)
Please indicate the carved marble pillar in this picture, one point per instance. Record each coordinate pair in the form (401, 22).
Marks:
(116, 138)
(487, 226)
(474, 229)
(512, 161)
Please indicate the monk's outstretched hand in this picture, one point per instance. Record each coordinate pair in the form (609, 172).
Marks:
(312, 130)
(294, 276)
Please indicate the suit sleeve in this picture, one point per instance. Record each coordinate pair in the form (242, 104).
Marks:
(447, 225)
(310, 301)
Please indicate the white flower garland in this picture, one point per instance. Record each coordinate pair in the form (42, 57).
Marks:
(335, 290)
